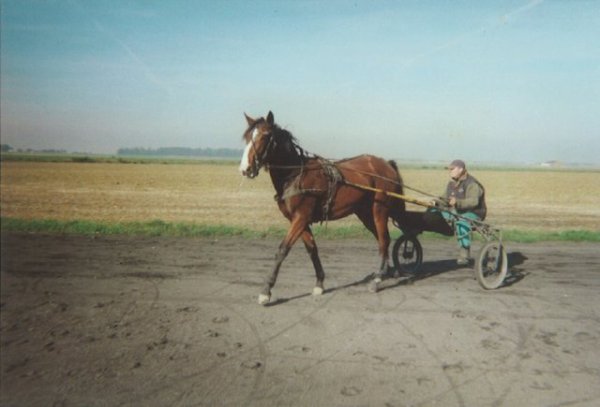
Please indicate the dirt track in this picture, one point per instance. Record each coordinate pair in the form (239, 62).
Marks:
(174, 322)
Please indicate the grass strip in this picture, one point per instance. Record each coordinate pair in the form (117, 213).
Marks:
(150, 228)
(182, 229)
(560, 236)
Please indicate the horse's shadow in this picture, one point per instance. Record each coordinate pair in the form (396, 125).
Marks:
(515, 272)
(434, 268)
(428, 269)
(362, 281)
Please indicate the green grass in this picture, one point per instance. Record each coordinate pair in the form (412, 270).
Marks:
(562, 236)
(150, 228)
(161, 228)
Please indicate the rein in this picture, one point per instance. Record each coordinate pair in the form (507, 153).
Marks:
(331, 170)
(393, 181)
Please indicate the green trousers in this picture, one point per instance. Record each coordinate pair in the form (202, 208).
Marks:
(462, 227)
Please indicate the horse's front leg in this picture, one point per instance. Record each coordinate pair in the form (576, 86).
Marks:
(311, 248)
(296, 229)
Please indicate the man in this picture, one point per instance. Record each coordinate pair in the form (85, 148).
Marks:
(464, 196)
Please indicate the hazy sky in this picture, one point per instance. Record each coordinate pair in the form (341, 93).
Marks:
(513, 80)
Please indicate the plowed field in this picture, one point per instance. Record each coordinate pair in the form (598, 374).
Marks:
(208, 193)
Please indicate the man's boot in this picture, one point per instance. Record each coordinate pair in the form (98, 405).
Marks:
(464, 256)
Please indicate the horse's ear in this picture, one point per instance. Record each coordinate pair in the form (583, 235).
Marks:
(249, 119)
(270, 118)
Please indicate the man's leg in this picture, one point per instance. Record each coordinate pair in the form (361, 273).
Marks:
(463, 234)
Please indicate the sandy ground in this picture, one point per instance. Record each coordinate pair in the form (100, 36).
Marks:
(120, 321)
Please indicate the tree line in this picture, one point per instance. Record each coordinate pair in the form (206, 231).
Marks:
(180, 152)
(6, 148)
(147, 152)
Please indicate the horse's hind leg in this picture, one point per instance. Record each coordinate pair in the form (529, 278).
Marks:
(373, 220)
(381, 215)
(311, 248)
(296, 229)
(380, 218)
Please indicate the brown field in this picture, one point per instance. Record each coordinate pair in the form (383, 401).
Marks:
(216, 194)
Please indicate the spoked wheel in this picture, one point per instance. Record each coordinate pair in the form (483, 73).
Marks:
(491, 266)
(407, 254)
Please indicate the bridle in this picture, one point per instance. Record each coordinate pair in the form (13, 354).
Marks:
(258, 163)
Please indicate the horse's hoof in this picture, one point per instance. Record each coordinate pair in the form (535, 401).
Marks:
(373, 286)
(317, 291)
(264, 299)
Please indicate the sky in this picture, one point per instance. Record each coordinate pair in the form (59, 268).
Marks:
(485, 81)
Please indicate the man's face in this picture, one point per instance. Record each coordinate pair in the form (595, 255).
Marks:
(455, 172)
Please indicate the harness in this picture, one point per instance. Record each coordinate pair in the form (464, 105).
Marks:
(334, 178)
(293, 186)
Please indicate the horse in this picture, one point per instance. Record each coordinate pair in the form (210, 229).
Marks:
(309, 189)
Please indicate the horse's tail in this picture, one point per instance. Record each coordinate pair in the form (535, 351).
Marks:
(398, 207)
(399, 183)
(394, 166)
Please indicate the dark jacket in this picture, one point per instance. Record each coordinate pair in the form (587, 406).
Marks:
(469, 194)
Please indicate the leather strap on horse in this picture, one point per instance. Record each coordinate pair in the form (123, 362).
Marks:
(334, 177)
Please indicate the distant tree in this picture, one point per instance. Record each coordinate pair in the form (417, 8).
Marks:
(6, 148)
(52, 151)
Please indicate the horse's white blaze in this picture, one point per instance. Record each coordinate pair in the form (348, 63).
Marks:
(245, 162)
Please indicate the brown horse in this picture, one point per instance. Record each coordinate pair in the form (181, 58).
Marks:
(311, 189)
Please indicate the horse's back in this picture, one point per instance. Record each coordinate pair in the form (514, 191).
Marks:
(372, 170)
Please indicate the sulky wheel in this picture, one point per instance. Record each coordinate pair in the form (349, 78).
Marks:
(491, 266)
(407, 254)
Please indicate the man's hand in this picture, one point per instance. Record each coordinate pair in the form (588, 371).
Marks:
(452, 202)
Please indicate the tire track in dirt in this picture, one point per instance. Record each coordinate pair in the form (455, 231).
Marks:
(455, 386)
(262, 352)
(513, 358)
(330, 358)
(175, 386)
(260, 344)
(212, 298)
(504, 359)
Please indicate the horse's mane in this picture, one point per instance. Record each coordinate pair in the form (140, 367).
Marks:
(285, 137)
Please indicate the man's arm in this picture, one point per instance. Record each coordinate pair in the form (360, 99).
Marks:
(442, 199)
(471, 199)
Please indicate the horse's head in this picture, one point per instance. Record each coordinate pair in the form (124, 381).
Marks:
(258, 137)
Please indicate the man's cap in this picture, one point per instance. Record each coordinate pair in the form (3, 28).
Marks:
(457, 163)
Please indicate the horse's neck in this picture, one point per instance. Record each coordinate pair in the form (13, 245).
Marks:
(284, 170)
